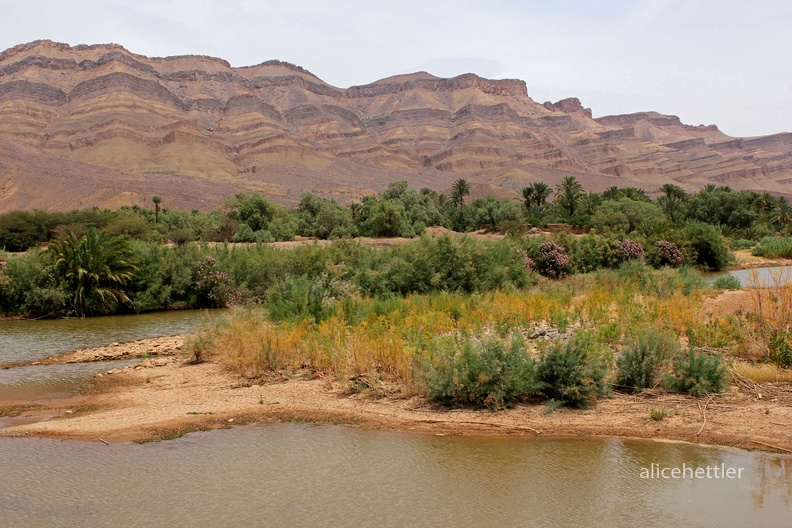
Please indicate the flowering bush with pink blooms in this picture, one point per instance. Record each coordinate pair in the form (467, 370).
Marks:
(552, 260)
(665, 253)
(529, 263)
(213, 286)
(629, 250)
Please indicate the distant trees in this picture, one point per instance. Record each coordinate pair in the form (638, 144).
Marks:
(322, 218)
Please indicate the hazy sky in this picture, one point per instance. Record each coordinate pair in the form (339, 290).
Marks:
(724, 62)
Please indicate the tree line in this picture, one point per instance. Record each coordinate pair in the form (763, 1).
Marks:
(401, 211)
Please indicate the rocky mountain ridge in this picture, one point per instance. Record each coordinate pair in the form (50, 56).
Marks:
(99, 125)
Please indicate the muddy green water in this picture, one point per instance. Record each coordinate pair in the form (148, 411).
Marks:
(308, 475)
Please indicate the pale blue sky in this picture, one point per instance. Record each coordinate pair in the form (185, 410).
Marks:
(724, 62)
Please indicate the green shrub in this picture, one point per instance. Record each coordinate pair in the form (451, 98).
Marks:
(774, 247)
(780, 344)
(573, 372)
(741, 243)
(20, 230)
(727, 282)
(491, 374)
(697, 373)
(594, 252)
(298, 298)
(708, 245)
(643, 357)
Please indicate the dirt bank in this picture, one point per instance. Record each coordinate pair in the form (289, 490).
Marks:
(164, 397)
(746, 260)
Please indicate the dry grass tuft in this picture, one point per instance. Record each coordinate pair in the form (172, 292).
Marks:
(763, 373)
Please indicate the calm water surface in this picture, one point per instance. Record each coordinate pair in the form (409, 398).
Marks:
(305, 475)
(761, 277)
(32, 340)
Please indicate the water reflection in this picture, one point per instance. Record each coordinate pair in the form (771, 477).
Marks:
(301, 475)
(31, 340)
(21, 383)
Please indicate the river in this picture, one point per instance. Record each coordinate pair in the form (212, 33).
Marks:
(309, 475)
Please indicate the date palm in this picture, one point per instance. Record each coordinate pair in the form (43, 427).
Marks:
(673, 191)
(459, 190)
(568, 195)
(94, 268)
(528, 196)
(782, 214)
(541, 192)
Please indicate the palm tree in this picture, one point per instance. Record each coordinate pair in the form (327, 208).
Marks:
(673, 207)
(541, 192)
(673, 191)
(589, 203)
(94, 268)
(765, 203)
(612, 193)
(634, 193)
(568, 195)
(459, 190)
(528, 196)
(782, 214)
(157, 200)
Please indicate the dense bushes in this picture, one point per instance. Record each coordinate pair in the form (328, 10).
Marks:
(697, 373)
(664, 253)
(490, 373)
(641, 362)
(708, 246)
(573, 372)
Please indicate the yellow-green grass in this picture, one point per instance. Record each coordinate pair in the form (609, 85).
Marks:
(395, 339)
(762, 372)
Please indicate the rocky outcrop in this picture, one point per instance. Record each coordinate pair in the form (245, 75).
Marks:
(99, 125)
(570, 105)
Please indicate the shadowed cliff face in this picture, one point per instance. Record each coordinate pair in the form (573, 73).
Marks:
(98, 125)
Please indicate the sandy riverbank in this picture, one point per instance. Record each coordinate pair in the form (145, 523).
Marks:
(164, 396)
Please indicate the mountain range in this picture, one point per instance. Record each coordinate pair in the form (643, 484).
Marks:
(97, 125)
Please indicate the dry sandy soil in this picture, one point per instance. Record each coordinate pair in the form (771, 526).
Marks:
(163, 397)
